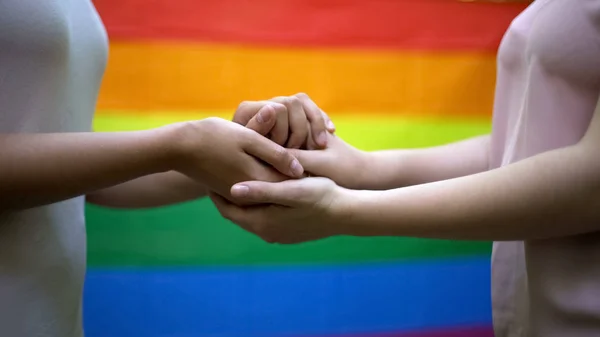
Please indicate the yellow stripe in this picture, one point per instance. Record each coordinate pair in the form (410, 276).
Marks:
(366, 131)
(147, 76)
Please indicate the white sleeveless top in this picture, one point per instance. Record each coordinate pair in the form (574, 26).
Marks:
(52, 57)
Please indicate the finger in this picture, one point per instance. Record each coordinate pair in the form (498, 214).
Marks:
(280, 131)
(328, 123)
(226, 208)
(273, 154)
(286, 193)
(266, 118)
(229, 211)
(245, 218)
(247, 110)
(310, 143)
(298, 123)
(313, 161)
(316, 120)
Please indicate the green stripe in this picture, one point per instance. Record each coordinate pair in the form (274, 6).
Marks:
(195, 234)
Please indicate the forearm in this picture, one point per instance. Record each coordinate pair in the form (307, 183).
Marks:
(399, 168)
(154, 190)
(550, 195)
(39, 169)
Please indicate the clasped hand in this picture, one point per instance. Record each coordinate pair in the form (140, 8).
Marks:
(274, 201)
(219, 153)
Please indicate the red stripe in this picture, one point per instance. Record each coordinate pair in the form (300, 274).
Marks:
(464, 332)
(403, 24)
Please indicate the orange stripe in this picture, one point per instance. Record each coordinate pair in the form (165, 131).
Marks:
(189, 77)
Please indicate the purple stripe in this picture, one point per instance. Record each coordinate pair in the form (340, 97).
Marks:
(457, 332)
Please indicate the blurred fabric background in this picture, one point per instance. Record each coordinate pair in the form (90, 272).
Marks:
(391, 74)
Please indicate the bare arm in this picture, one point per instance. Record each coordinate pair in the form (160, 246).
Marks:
(173, 187)
(556, 193)
(398, 168)
(39, 169)
(380, 170)
(154, 190)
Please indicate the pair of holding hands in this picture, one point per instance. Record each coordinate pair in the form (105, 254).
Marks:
(282, 139)
(255, 146)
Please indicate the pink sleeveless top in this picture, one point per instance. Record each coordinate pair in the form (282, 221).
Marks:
(548, 86)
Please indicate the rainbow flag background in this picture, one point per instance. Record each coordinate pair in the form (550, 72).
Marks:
(391, 73)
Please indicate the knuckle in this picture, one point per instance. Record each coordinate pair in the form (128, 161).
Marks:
(212, 120)
(245, 140)
(280, 110)
(280, 153)
(302, 96)
(242, 105)
(268, 111)
(278, 99)
(294, 101)
(211, 123)
(286, 101)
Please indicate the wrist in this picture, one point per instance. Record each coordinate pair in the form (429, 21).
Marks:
(349, 212)
(151, 150)
(181, 141)
(385, 170)
(364, 170)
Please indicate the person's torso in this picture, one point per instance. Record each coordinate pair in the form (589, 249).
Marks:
(52, 57)
(547, 89)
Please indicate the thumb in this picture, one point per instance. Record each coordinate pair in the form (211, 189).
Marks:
(285, 193)
(265, 119)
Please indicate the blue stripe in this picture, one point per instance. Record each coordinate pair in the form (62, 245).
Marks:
(281, 301)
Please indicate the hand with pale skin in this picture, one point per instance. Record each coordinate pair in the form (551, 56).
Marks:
(346, 165)
(288, 212)
(300, 123)
(552, 194)
(292, 121)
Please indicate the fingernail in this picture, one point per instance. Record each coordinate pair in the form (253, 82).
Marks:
(296, 167)
(330, 125)
(322, 138)
(240, 190)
